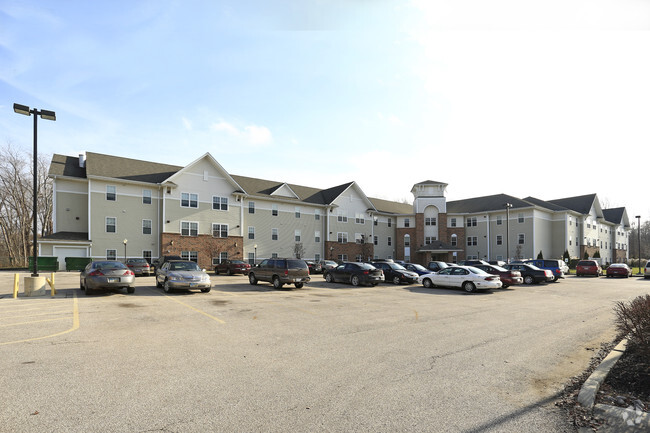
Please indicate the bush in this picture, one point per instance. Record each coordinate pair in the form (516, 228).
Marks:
(633, 320)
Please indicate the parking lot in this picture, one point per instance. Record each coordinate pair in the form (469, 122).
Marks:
(328, 357)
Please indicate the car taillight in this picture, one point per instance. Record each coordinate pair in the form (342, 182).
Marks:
(129, 265)
(366, 272)
(95, 273)
(490, 278)
(128, 272)
(286, 272)
(557, 271)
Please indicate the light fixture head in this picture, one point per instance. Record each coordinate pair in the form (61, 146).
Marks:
(21, 109)
(48, 115)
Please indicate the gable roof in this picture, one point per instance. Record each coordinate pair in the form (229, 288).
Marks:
(391, 207)
(545, 204)
(485, 204)
(67, 166)
(616, 216)
(581, 204)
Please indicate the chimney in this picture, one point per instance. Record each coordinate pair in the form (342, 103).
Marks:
(82, 160)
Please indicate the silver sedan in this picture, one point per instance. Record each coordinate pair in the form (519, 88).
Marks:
(182, 274)
(106, 274)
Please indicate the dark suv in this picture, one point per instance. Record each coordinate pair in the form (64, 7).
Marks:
(280, 272)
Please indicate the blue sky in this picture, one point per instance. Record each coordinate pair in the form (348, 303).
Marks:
(549, 99)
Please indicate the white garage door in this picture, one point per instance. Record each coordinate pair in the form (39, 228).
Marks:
(63, 252)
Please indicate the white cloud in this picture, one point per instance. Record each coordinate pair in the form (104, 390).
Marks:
(258, 134)
(250, 134)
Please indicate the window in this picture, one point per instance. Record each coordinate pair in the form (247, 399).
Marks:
(358, 238)
(316, 236)
(342, 237)
(111, 224)
(251, 258)
(359, 218)
(407, 240)
(390, 222)
(499, 239)
(147, 256)
(190, 255)
(189, 228)
(390, 241)
(471, 222)
(374, 221)
(251, 207)
(472, 241)
(111, 254)
(343, 257)
(520, 218)
(223, 256)
(220, 230)
(453, 222)
(189, 200)
(146, 196)
(342, 217)
(454, 240)
(358, 258)
(407, 222)
(111, 193)
(274, 234)
(430, 221)
(317, 214)
(251, 232)
(297, 212)
(219, 203)
(297, 235)
(146, 227)
(522, 239)
(499, 220)
(274, 255)
(429, 240)
(317, 257)
(274, 209)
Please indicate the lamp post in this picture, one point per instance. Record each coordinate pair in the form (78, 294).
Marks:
(508, 206)
(47, 115)
(638, 231)
(124, 242)
(255, 255)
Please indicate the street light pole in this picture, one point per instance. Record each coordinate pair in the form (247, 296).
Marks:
(124, 242)
(48, 115)
(638, 231)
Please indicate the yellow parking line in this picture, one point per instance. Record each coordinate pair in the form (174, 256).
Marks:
(75, 325)
(193, 308)
(33, 321)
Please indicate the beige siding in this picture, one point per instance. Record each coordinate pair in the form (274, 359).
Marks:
(71, 211)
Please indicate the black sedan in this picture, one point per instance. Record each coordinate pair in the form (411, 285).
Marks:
(418, 269)
(396, 273)
(531, 274)
(354, 273)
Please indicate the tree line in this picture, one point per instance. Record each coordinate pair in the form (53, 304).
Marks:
(16, 203)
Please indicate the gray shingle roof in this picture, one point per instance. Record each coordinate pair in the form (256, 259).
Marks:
(391, 207)
(581, 204)
(62, 165)
(614, 215)
(545, 204)
(485, 204)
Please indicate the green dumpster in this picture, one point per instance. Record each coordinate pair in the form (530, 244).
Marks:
(45, 263)
(76, 263)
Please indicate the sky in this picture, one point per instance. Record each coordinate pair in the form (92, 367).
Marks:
(549, 99)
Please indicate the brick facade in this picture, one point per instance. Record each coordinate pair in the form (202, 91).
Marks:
(208, 247)
(351, 249)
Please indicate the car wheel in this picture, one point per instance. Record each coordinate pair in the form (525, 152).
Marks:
(505, 286)
(88, 291)
(354, 280)
(276, 283)
(299, 285)
(130, 290)
(166, 287)
(469, 287)
(396, 280)
(528, 279)
(374, 284)
(81, 284)
(252, 279)
(228, 272)
(328, 278)
(216, 271)
(427, 283)
(206, 290)
(158, 283)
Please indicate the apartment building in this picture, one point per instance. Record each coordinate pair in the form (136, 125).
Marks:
(110, 207)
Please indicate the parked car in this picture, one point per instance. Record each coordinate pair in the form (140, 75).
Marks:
(508, 277)
(436, 266)
(314, 267)
(396, 273)
(139, 266)
(472, 262)
(106, 274)
(418, 269)
(354, 273)
(618, 270)
(469, 278)
(588, 267)
(327, 264)
(646, 272)
(530, 273)
(230, 267)
(157, 264)
(497, 262)
(557, 267)
(182, 274)
(280, 272)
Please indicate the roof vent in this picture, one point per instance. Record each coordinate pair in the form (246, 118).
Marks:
(82, 160)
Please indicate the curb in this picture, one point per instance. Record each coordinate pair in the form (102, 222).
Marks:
(619, 419)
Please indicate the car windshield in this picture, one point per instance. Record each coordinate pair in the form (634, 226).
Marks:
(533, 267)
(474, 270)
(184, 266)
(397, 266)
(499, 268)
(136, 261)
(299, 264)
(418, 267)
(109, 265)
(237, 262)
(366, 266)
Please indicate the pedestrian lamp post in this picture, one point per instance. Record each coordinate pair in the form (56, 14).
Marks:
(255, 254)
(638, 231)
(124, 242)
(47, 115)
(508, 206)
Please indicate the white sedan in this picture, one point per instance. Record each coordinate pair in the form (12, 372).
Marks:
(467, 277)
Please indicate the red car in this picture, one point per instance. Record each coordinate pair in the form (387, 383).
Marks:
(230, 267)
(619, 270)
(508, 277)
(588, 267)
